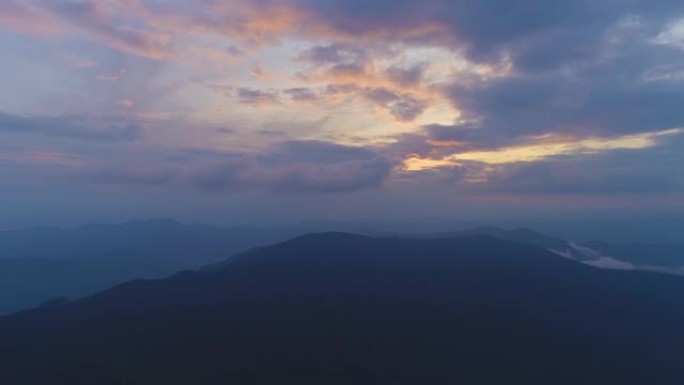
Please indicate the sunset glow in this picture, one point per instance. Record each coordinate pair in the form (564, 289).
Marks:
(297, 96)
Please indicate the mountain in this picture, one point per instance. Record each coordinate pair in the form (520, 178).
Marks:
(39, 264)
(663, 258)
(345, 309)
(522, 235)
(160, 237)
(43, 264)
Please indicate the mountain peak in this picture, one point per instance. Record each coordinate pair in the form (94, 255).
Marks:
(339, 308)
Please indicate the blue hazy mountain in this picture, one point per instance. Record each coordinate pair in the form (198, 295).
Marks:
(43, 264)
(657, 257)
(340, 309)
(39, 264)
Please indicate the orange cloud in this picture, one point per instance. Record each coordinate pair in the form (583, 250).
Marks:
(539, 149)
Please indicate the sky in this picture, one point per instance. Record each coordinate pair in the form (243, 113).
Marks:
(268, 111)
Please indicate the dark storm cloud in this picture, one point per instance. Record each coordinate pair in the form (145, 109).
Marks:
(98, 130)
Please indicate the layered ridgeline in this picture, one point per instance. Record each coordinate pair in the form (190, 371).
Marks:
(44, 264)
(658, 257)
(346, 309)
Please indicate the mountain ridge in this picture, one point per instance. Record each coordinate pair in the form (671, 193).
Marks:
(345, 309)
(43, 264)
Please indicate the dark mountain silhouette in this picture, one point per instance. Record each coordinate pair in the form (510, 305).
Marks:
(521, 235)
(345, 309)
(648, 256)
(43, 263)
(160, 237)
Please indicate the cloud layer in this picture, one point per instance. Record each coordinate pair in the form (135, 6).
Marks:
(479, 99)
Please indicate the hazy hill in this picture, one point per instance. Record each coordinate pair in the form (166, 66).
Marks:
(43, 263)
(664, 258)
(343, 309)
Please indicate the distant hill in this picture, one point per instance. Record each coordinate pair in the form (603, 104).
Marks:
(663, 258)
(43, 263)
(345, 309)
(162, 237)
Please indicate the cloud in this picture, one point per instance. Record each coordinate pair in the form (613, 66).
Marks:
(254, 96)
(587, 168)
(553, 84)
(627, 85)
(407, 77)
(24, 17)
(611, 264)
(603, 101)
(40, 157)
(614, 264)
(289, 167)
(540, 33)
(299, 166)
(128, 175)
(259, 72)
(534, 33)
(81, 128)
(467, 135)
(578, 177)
(117, 23)
(382, 96)
(336, 53)
(597, 259)
(344, 176)
(301, 94)
(408, 108)
(404, 107)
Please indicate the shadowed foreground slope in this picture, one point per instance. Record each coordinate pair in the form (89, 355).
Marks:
(343, 309)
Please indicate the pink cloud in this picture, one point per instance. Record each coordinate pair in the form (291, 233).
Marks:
(22, 17)
(158, 30)
(41, 157)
